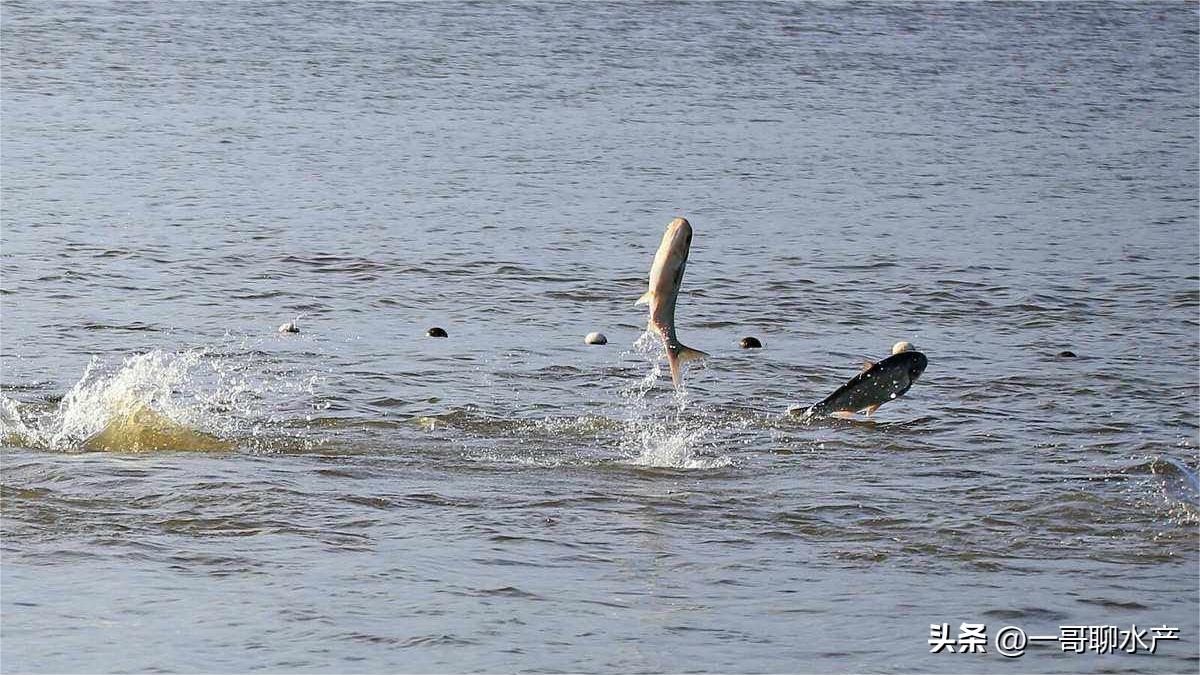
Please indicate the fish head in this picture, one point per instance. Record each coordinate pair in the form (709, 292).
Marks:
(666, 274)
(915, 364)
(679, 234)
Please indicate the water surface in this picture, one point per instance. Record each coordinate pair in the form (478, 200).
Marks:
(996, 183)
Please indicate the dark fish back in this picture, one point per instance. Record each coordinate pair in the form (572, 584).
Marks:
(882, 382)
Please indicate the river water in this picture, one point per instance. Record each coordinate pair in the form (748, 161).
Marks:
(187, 489)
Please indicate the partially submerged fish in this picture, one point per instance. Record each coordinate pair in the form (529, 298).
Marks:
(141, 429)
(665, 276)
(877, 384)
(1180, 482)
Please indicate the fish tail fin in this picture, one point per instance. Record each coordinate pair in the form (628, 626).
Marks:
(678, 355)
(817, 410)
(645, 299)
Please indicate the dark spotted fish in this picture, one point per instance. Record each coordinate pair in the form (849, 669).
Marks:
(877, 384)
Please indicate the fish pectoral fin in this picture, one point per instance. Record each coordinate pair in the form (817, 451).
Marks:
(645, 299)
(686, 354)
(867, 365)
(872, 408)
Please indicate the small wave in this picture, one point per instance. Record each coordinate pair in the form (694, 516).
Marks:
(134, 326)
(472, 419)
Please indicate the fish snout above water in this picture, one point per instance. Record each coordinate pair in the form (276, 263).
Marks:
(666, 276)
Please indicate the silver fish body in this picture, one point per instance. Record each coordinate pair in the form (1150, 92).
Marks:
(666, 275)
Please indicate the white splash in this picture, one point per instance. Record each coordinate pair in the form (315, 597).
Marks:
(157, 400)
(671, 446)
(656, 437)
(143, 381)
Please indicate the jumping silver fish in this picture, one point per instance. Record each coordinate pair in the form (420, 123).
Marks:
(665, 276)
